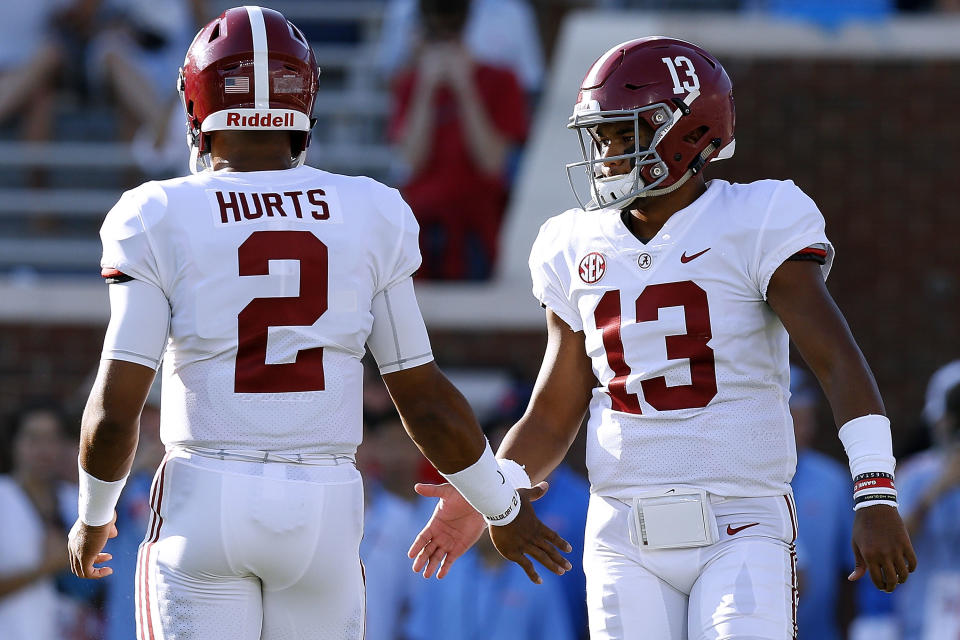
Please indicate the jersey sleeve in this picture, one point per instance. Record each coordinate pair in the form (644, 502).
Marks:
(139, 324)
(792, 226)
(127, 247)
(399, 337)
(403, 237)
(551, 280)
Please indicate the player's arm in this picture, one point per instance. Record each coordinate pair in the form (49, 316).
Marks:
(800, 298)
(437, 417)
(441, 423)
(538, 442)
(109, 431)
(540, 439)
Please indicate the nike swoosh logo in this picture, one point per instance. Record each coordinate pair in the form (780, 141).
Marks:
(685, 258)
(502, 479)
(731, 531)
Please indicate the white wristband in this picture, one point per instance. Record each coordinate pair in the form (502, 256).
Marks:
(98, 499)
(515, 474)
(869, 447)
(485, 487)
(868, 444)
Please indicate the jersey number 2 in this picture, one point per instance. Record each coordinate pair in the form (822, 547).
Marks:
(692, 345)
(252, 374)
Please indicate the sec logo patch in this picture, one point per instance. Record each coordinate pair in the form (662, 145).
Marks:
(592, 267)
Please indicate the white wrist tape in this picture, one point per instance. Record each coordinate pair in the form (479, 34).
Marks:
(485, 487)
(515, 474)
(869, 447)
(98, 499)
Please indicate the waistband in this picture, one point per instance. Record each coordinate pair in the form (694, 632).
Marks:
(712, 497)
(266, 457)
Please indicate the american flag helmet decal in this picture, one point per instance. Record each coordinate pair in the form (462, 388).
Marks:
(236, 85)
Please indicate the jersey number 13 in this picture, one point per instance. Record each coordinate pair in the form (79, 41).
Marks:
(692, 345)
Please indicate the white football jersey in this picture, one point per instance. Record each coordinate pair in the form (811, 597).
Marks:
(269, 276)
(692, 363)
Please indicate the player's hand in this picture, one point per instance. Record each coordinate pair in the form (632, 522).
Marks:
(85, 548)
(882, 547)
(527, 536)
(432, 67)
(453, 528)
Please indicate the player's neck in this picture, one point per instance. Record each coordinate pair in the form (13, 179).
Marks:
(248, 163)
(649, 217)
(250, 151)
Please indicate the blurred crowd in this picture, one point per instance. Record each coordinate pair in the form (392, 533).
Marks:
(39, 597)
(484, 596)
(462, 78)
(129, 50)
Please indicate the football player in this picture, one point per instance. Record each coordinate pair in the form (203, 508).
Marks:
(670, 301)
(258, 282)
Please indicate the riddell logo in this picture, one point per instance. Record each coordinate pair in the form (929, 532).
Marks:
(259, 120)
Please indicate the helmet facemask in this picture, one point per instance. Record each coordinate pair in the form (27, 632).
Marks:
(198, 162)
(614, 191)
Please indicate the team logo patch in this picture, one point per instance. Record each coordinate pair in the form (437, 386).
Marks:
(644, 261)
(592, 267)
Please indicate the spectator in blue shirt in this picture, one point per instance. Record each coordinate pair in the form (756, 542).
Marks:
(486, 598)
(133, 513)
(929, 495)
(563, 508)
(822, 489)
(393, 516)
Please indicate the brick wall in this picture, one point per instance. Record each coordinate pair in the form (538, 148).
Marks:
(873, 143)
(45, 361)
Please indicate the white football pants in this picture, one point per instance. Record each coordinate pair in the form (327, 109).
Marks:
(249, 551)
(742, 587)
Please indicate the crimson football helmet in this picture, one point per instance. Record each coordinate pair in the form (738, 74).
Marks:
(679, 90)
(250, 69)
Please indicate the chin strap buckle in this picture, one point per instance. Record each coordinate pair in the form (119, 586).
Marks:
(701, 158)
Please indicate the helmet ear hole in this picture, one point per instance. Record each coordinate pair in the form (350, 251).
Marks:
(694, 136)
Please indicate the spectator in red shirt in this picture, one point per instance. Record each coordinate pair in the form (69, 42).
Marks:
(456, 122)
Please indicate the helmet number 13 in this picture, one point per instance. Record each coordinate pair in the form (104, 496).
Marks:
(682, 63)
(691, 346)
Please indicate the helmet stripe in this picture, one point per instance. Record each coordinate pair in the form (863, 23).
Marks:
(261, 76)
